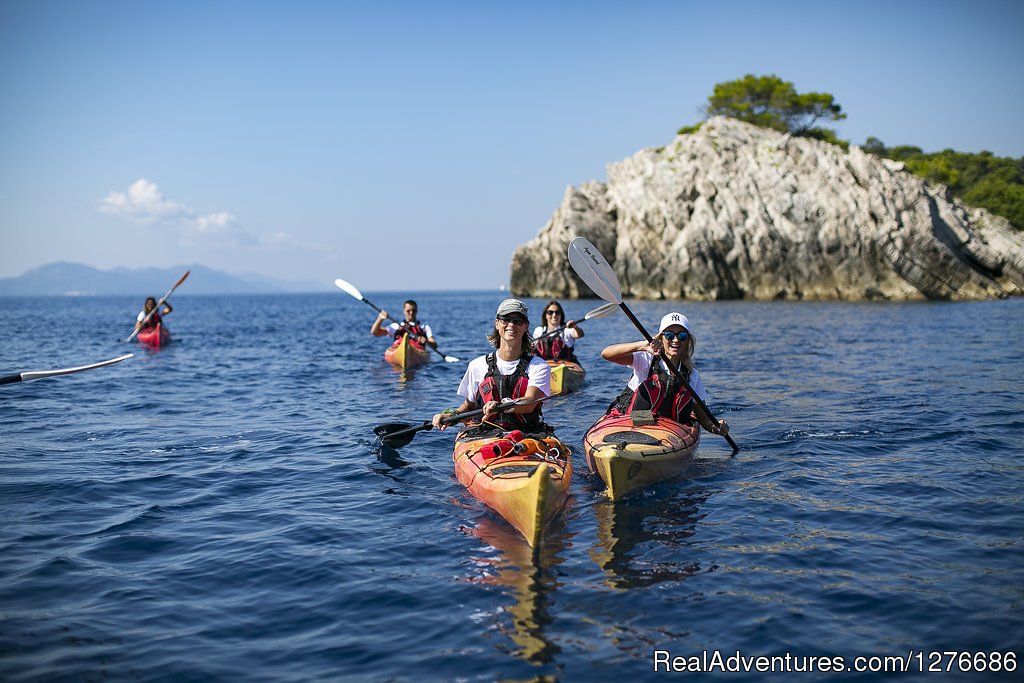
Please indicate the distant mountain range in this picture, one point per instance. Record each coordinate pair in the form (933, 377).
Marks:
(76, 279)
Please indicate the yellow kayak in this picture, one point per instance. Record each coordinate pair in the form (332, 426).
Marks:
(566, 376)
(528, 489)
(627, 455)
(405, 353)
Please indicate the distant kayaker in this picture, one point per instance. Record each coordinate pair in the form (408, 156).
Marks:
(558, 345)
(652, 386)
(420, 331)
(154, 319)
(510, 372)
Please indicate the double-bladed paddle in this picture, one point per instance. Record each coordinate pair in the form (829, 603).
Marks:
(594, 269)
(600, 311)
(398, 434)
(39, 374)
(156, 308)
(351, 289)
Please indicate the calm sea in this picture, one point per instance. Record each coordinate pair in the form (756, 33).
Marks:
(219, 510)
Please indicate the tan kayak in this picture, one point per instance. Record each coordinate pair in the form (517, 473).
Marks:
(628, 455)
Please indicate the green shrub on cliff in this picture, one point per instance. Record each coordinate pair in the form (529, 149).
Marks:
(981, 179)
(771, 102)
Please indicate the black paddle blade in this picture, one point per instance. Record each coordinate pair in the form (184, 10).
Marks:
(398, 434)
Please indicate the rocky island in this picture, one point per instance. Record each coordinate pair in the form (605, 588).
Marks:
(735, 211)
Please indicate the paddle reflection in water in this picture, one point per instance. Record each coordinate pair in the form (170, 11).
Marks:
(530, 576)
(643, 540)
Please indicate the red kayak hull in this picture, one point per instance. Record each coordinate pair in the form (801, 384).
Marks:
(155, 337)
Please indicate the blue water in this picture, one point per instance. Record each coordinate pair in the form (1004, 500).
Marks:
(219, 511)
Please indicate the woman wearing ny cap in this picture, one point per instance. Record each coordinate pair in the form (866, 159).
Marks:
(653, 386)
(510, 372)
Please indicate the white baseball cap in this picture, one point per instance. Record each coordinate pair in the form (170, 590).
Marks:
(674, 319)
(512, 306)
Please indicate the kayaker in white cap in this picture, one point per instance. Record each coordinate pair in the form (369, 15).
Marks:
(510, 372)
(653, 386)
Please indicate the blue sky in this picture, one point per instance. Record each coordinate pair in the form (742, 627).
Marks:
(414, 145)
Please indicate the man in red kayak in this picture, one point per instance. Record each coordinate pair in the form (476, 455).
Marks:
(154, 319)
(420, 331)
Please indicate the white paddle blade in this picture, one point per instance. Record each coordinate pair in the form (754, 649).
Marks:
(601, 311)
(67, 371)
(593, 269)
(349, 288)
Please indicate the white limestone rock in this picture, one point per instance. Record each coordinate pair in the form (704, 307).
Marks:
(734, 211)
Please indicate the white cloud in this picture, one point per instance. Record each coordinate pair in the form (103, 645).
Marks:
(219, 229)
(144, 203)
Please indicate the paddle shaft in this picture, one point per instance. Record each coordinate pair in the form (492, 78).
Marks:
(596, 313)
(157, 307)
(457, 417)
(428, 425)
(675, 371)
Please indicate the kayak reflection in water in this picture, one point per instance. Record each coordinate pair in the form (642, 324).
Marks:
(653, 386)
(510, 372)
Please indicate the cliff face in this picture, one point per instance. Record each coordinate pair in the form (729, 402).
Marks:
(734, 211)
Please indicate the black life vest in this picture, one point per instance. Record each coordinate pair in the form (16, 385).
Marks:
(496, 387)
(554, 348)
(661, 393)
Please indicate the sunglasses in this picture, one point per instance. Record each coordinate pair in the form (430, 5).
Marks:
(672, 336)
(552, 312)
(514, 319)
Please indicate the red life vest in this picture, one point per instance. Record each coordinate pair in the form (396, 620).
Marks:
(496, 386)
(414, 328)
(554, 348)
(153, 321)
(661, 393)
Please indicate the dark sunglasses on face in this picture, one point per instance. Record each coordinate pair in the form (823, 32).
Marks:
(515, 319)
(552, 312)
(671, 336)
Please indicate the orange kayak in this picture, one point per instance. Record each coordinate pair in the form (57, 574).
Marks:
(528, 489)
(628, 456)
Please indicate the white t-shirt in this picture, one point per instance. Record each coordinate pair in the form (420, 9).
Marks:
(567, 335)
(538, 375)
(642, 367)
(393, 327)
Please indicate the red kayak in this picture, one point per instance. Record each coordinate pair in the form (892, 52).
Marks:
(155, 337)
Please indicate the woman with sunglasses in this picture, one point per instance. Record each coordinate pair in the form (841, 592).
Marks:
(648, 434)
(556, 337)
(653, 386)
(510, 372)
